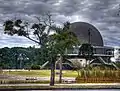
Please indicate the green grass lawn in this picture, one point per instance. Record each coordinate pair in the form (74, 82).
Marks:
(47, 73)
(69, 73)
(32, 73)
(40, 73)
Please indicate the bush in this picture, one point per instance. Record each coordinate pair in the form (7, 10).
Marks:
(35, 67)
(99, 76)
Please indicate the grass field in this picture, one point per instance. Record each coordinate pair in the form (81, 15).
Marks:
(39, 73)
(22, 75)
(26, 76)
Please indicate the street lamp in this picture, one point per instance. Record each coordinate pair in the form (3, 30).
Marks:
(89, 35)
(21, 58)
(89, 42)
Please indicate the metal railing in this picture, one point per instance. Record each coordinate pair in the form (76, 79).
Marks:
(97, 51)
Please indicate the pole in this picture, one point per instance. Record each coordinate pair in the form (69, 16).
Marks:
(89, 41)
(89, 36)
(60, 67)
(52, 78)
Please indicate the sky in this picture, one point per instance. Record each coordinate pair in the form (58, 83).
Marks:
(103, 14)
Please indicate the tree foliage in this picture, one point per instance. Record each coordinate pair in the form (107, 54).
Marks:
(86, 50)
(63, 39)
(37, 32)
(9, 57)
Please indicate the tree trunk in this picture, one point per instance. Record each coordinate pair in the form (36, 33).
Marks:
(16, 61)
(60, 67)
(86, 63)
(56, 63)
(78, 73)
(52, 78)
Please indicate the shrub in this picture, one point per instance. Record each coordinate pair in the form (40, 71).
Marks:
(35, 67)
(99, 76)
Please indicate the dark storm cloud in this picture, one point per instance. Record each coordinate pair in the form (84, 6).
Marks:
(23, 6)
(101, 13)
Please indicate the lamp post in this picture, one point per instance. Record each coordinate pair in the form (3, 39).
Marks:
(89, 35)
(21, 58)
(89, 49)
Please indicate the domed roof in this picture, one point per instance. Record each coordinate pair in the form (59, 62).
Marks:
(83, 30)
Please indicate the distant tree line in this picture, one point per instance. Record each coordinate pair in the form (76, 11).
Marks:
(10, 57)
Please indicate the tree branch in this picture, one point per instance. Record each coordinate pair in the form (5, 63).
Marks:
(39, 38)
(33, 40)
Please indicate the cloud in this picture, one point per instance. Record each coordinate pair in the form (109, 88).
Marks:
(100, 13)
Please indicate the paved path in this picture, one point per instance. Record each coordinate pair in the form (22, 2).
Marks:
(81, 84)
(60, 86)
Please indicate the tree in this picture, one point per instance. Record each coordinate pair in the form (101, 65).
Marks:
(5, 57)
(37, 32)
(55, 44)
(87, 51)
(40, 30)
(62, 40)
(9, 57)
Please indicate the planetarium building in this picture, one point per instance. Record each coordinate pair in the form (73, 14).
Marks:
(87, 33)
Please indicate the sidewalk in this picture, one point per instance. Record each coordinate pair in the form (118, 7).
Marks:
(75, 84)
(62, 86)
